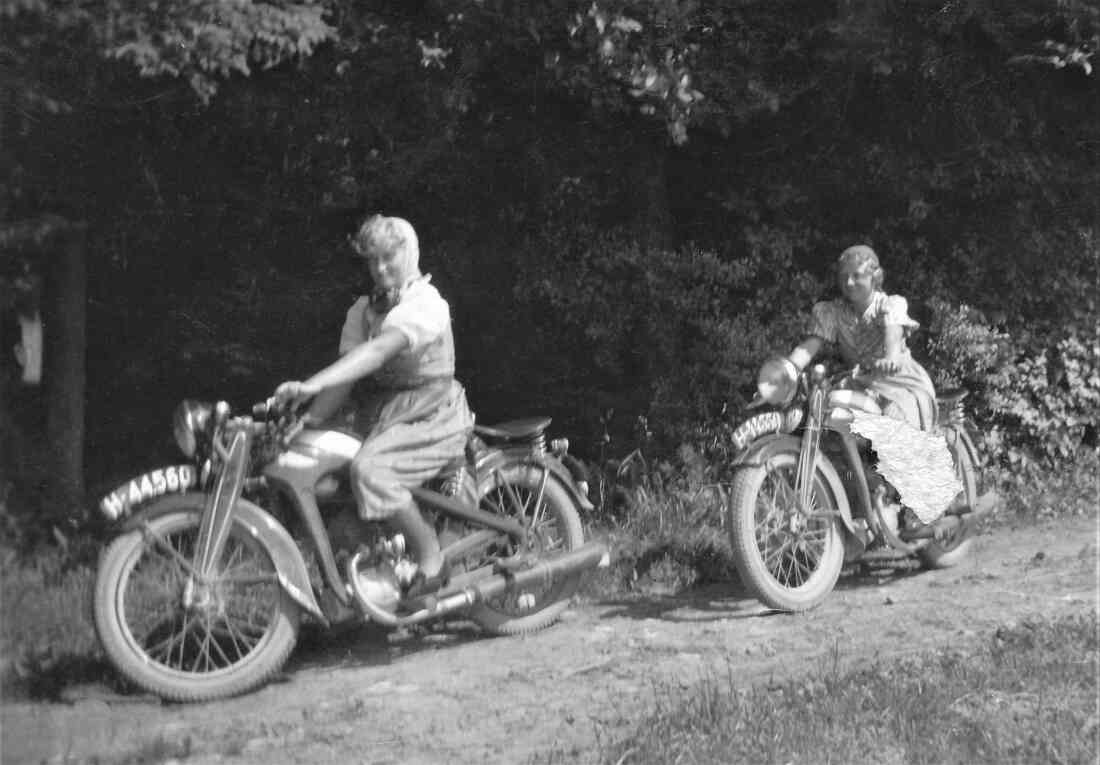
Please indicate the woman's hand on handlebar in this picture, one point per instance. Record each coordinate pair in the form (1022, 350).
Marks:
(887, 365)
(295, 392)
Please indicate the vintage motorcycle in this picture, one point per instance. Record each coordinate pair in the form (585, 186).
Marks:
(801, 507)
(202, 592)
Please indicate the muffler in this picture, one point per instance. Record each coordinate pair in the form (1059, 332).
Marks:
(543, 573)
(955, 519)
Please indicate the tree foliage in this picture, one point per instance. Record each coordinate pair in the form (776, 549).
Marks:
(537, 146)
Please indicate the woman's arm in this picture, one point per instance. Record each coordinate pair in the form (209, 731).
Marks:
(893, 341)
(805, 351)
(361, 361)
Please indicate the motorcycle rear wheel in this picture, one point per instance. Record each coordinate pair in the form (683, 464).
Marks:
(950, 552)
(790, 562)
(555, 528)
(233, 644)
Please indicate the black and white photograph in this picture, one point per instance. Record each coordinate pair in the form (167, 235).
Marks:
(556, 382)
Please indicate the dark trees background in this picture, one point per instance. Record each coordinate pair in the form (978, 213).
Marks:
(629, 204)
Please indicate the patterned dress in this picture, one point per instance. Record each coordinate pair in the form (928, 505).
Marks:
(907, 394)
(911, 457)
(412, 412)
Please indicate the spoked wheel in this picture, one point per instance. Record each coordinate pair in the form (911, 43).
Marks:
(529, 494)
(945, 553)
(182, 638)
(788, 559)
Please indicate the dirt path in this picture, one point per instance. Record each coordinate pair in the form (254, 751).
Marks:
(453, 696)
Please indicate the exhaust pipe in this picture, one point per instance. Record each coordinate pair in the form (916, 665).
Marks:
(590, 555)
(954, 519)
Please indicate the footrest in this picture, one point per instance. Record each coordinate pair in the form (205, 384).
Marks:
(514, 565)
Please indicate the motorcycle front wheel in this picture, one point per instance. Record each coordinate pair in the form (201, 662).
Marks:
(185, 641)
(528, 493)
(788, 559)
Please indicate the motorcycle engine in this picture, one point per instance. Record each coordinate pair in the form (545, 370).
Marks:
(378, 585)
(347, 531)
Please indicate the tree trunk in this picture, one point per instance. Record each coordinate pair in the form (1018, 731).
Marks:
(65, 344)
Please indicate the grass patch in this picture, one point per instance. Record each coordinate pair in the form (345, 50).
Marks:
(666, 535)
(1072, 491)
(46, 635)
(1027, 694)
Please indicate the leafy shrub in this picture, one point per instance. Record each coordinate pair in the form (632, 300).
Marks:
(683, 331)
(1037, 394)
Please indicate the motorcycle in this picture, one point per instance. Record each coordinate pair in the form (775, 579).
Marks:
(201, 593)
(801, 507)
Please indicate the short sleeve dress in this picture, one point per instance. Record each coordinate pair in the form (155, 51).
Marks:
(907, 394)
(412, 412)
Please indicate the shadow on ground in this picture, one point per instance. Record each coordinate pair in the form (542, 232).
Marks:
(355, 644)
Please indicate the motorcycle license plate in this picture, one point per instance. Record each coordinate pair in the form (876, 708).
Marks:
(756, 426)
(155, 483)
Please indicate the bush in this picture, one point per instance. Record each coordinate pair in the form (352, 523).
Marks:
(681, 332)
(1037, 393)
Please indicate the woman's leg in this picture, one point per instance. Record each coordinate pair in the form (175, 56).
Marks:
(380, 476)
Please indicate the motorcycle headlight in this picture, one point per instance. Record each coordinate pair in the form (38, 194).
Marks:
(189, 422)
(777, 381)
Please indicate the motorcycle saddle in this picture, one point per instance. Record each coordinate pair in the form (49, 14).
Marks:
(514, 430)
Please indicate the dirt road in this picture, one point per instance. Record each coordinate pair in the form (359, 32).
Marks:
(451, 696)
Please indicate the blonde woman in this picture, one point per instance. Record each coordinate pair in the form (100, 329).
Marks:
(397, 344)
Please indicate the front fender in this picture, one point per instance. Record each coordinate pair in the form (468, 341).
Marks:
(497, 458)
(290, 566)
(761, 450)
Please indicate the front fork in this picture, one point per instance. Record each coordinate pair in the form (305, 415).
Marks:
(807, 455)
(217, 517)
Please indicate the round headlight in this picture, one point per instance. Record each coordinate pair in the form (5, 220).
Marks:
(777, 381)
(188, 423)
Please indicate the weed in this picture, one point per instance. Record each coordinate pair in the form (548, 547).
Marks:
(1028, 694)
(46, 636)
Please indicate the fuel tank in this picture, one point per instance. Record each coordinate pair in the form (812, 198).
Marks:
(312, 454)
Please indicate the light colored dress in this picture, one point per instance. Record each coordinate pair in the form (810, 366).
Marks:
(907, 394)
(412, 412)
(913, 459)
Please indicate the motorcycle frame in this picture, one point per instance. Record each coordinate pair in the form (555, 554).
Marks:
(229, 481)
(813, 427)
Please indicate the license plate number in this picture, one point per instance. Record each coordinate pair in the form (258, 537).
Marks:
(155, 483)
(756, 426)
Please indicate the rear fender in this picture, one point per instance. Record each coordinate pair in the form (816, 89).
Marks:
(498, 458)
(763, 449)
(290, 567)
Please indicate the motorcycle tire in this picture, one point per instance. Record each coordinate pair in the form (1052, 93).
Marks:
(232, 644)
(950, 552)
(787, 561)
(560, 530)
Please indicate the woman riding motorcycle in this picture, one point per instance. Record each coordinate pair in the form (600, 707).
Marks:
(895, 405)
(411, 410)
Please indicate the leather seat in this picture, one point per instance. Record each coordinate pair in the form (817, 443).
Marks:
(514, 430)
